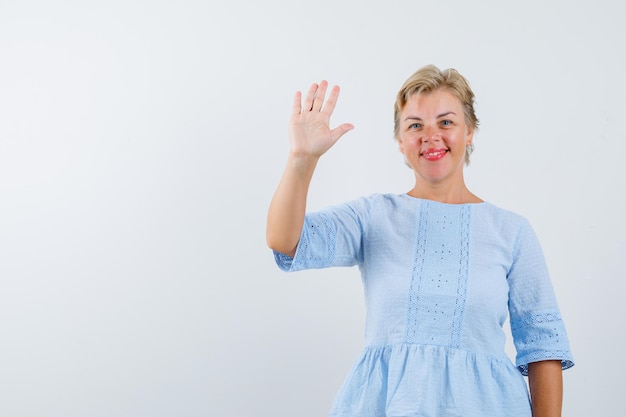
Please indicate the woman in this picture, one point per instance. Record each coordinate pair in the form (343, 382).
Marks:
(442, 269)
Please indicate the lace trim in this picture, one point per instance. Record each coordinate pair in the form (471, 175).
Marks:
(459, 307)
(418, 267)
(308, 253)
(438, 289)
(535, 319)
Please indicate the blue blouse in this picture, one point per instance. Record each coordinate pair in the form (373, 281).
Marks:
(440, 280)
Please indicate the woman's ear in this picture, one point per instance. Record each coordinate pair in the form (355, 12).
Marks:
(469, 138)
(400, 145)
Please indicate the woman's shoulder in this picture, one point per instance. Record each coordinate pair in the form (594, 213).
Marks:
(491, 216)
(390, 202)
(495, 210)
(376, 200)
(370, 206)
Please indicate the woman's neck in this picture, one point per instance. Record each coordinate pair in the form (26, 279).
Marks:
(444, 193)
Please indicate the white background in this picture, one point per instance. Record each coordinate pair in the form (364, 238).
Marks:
(140, 144)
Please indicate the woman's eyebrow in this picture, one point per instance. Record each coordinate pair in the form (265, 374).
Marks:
(438, 116)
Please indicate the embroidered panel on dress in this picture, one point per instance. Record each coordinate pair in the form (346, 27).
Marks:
(439, 283)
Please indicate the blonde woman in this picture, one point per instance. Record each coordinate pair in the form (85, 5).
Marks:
(442, 269)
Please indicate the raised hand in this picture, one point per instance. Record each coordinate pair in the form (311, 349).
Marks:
(309, 132)
(310, 136)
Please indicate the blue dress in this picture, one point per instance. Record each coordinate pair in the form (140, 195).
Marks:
(439, 281)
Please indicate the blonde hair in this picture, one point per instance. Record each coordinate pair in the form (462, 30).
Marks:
(430, 78)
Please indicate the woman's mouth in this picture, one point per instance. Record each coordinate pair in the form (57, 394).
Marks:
(434, 154)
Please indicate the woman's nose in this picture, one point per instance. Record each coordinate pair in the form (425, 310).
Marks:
(431, 135)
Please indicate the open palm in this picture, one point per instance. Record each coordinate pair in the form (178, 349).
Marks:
(309, 131)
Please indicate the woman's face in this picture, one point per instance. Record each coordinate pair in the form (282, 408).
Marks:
(433, 136)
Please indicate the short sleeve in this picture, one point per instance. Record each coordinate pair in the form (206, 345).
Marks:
(536, 324)
(331, 237)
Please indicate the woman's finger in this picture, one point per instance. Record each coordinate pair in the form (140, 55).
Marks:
(310, 96)
(319, 96)
(329, 107)
(341, 130)
(297, 103)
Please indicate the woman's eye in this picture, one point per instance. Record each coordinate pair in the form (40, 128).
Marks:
(446, 122)
(415, 126)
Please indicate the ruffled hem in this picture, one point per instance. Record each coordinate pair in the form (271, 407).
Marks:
(421, 380)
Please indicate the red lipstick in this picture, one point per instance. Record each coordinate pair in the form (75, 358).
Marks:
(434, 154)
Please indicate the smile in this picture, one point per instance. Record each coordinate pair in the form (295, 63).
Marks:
(434, 154)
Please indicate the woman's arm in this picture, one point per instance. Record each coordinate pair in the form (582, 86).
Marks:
(310, 137)
(545, 379)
